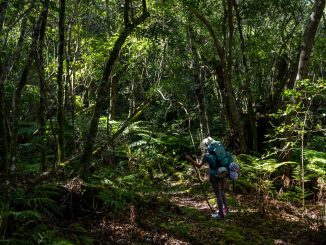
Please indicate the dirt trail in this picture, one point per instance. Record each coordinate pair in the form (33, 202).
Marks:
(184, 218)
(245, 225)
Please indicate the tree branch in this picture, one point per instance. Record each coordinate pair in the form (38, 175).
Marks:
(210, 28)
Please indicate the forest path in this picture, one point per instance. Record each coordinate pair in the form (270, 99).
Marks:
(182, 216)
(243, 225)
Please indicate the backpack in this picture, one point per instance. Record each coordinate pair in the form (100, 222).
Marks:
(224, 158)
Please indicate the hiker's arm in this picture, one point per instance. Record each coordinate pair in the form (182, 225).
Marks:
(193, 162)
(198, 164)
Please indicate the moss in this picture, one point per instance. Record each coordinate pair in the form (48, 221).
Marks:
(234, 237)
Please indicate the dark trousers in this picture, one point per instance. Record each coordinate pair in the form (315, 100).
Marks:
(219, 186)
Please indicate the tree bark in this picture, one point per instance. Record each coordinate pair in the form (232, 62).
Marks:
(70, 93)
(308, 40)
(113, 97)
(43, 95)
(224, 81)
(132, 97)
(18, 92)
(199, 90)
(60, 113)
(14, 57)
(104, 85)
(3, 128)
(303, 66)
(247, 87)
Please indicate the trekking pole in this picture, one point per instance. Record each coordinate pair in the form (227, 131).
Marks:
(201, 183)
(198, 176)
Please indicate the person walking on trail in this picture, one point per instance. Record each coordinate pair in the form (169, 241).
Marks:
(221, 166)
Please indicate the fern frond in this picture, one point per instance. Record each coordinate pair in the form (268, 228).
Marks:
(39, 201)
(31, 214)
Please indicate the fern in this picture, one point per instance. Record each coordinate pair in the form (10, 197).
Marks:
(25, 214)
(48, 189)
(41, 199)
(269, 166)
(112, 200)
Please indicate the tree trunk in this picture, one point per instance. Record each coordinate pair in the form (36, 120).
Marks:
(18, 92)
(113, 97)
(108, 13)
(60, 113)
(224, 80)
(132, 97)
(104, 85)
(199, 90)
(302, 69)
(43, 96)
(247, 87)
(3, 128)
(70, 95)
(308, 40)
(71, 62)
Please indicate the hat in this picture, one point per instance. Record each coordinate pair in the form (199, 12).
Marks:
(233, 170)
(206, 142)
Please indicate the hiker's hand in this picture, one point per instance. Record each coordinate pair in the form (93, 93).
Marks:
(186, 155)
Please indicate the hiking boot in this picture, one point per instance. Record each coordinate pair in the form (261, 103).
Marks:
(217, 215)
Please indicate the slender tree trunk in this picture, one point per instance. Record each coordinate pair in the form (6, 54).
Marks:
(43, 96)
(60, 113)
(18, 92)
(113, 97)
(3, 128)
(70, 96)
(104, 85)
(199, 90)
(132, 97)
(73, 73)
(108, 13)
(224, 80)
(303, 65)
(308, 40)
(247, 87)
(14, 57)
(235, 110)
(4, 144)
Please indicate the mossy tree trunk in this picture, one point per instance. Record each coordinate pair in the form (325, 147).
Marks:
(43, 90)
(247, 85)
(199, 87)
(302, 70)
(60, 85)
(18, 91)
(103, 88)
(3, 128)
(308, 40)
(223, 68)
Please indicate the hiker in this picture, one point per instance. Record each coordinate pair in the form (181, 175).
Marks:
(219, 170)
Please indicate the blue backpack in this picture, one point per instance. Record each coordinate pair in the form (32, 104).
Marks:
(217, 149)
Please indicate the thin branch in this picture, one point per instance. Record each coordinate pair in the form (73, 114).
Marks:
(210, 28)
(126, 13)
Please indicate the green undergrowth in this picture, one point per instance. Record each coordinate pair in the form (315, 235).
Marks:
(283, 180)
(242, 226)
(52, 213)
(197, 227)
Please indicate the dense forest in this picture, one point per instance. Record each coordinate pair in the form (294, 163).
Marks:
(100, 100)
